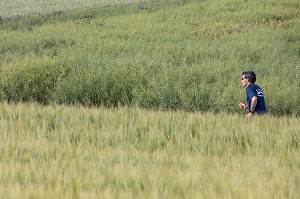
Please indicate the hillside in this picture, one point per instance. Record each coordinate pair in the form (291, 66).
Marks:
(179, 55)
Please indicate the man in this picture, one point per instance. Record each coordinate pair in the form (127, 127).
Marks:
(255, 96)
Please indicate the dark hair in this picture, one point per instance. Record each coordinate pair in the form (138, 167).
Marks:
(250, 75)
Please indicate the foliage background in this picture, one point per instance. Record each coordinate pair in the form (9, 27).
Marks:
(179, 55)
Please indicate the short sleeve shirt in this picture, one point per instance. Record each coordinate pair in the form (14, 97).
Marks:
(254, 90)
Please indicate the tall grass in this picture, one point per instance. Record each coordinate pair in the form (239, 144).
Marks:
(184, 55)
(77, 152)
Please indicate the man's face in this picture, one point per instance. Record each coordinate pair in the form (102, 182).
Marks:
(245, 81)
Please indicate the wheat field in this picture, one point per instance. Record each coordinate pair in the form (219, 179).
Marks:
(78, 152)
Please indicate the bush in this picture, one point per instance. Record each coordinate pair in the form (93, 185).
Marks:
(31, 80)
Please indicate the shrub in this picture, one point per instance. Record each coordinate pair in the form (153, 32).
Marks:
(31, 80)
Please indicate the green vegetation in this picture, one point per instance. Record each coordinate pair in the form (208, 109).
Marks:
(135, 76)
(185, 55)
(20, 8)
(77, 152)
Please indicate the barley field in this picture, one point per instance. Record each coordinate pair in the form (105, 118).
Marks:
(78, 152)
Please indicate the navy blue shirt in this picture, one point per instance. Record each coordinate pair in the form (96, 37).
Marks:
(254, 90)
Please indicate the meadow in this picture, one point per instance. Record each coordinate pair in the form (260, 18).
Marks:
(139, 99)
(180, 55)
(79, 152)
(25, 8)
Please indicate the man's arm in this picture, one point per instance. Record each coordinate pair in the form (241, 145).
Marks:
(253, 105)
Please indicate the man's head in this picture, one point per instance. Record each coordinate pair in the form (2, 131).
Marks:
(248, 77)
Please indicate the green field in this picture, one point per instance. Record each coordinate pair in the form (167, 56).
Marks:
(139, 99)
(180, 55)
(21, 8)
(77, 152)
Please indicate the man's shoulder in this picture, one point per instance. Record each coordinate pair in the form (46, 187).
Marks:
(251, 87)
